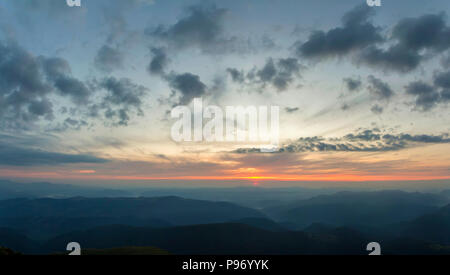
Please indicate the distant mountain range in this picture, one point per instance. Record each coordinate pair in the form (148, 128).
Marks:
(12, 190)
(247, 196)
(358, 208)
(434, 227)
(238, 238)
(42, 218)
(341, 223)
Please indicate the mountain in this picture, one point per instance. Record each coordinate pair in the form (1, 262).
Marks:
(228, 238)
(12, 190)
(239, 239)
(358, 208)
(128, 251)
(43, 218)
(261, 223)
(254, 197)
(43, 228)
(13, 240)
(7, 252)
(434, 227)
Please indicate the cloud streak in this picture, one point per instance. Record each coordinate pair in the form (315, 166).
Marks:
(18, 156)
(365, 141)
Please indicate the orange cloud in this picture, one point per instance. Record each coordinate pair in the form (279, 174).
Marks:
(87, 172)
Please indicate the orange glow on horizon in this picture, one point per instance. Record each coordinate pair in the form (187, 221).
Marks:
(94, 175)
(87, 171)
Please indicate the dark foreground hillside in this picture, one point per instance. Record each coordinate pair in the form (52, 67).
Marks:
(232, 238)
(403, 223)
(45, 218)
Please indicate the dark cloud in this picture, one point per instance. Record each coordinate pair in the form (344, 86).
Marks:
(291, 110)
(69, 124)
(279, 73)
(426, 32)
(396, 58)
(445, 95)
(58, 72)
(377, 109)
(268, 72)
(345, 107)
(123, 96)
(379, 89)
(23, 89)
(353, 84)
(355, 34)
(29, 84)
(420, 138)
(120, 38)
(287, 69)
(188, 85)
(446, 61)
(74, 88)
(236, 75)
(429, 96)
(201, 27)
(442, 80)
(41, 107)
(55, 67)
(411, 41)
(364, 141)
(159, 62)
(11, 155)
(109, 59)
(414, 39)
(426, 95)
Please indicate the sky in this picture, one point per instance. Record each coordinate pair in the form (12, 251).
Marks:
(86, 92)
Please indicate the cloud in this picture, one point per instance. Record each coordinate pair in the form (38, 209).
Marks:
(345, 107)
(291, 110)
(159, 62)
(396, 58)
(287, 69)
(414, 39)
(279, 73)
(68, 124)
(29, 86)
(442, 80)
(55, 67)
(426, 32)
(111, 55)
(377, 109)
(410, 42)
(236, 75)
(74, 88)
(11, 155)
(445, 61)
(379, 89)
(355, 34)
(201, 27)
(429, 96)
(188, 85)
(445, 95)
(58, 72)
(23, 89)
(268, 72)
(123, 96)
(109, 59)
(363, 141)
(353, 84)
(426, 95)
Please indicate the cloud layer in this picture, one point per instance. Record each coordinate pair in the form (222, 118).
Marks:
(365, 141)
